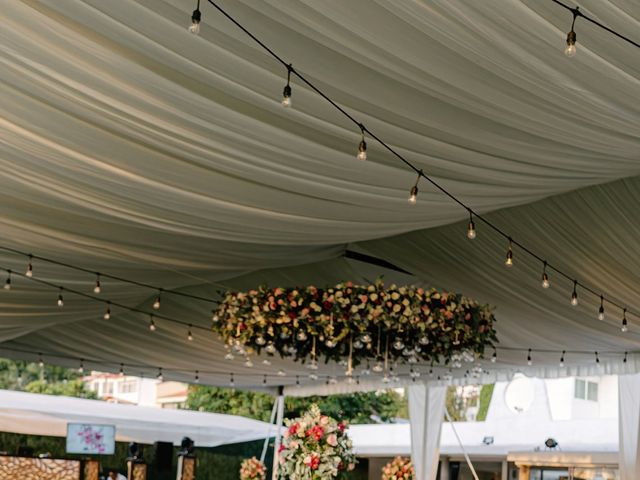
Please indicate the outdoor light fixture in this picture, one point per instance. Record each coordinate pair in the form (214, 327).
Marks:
(471, 229)
(362, 146)
(286, 93)
(196, 16)
(29, 272)
(545, 277)
(509, 259)
(413, 193)
(570, 49)
(574, 295)
(601, 309)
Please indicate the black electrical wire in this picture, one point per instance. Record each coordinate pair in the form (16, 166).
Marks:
(419, 171)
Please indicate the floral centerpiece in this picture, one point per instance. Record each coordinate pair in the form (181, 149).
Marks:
(252, 469)
(359, 322)
(315, 447)
(399, 468)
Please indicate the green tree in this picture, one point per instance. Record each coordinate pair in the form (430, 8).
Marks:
(384, 405)
(51, 380)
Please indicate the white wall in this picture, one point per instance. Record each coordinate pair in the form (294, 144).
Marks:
(564, 406)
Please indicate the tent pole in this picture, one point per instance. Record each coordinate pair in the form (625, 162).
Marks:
(266, 440)
(279, 420)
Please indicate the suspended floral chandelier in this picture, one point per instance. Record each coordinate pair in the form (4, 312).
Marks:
(358, 323)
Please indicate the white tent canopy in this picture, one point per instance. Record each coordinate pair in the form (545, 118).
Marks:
(129, 146)
(35, 414)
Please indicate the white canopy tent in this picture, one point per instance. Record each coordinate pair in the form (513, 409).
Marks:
(35, 414)
(130, 147)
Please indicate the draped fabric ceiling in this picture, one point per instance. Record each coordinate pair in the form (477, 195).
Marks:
(129, 146)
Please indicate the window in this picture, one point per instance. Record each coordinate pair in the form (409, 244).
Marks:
(586, 390)
(128, 386)
(108, 388)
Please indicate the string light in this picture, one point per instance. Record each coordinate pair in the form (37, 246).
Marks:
(624, 327)
(196, 16)
(413, 193)
(601, 309)
(362, 146)
(471, 229)
(81, 367)
(60, 299)
(29, 272)
(545, 277)
(597, 358)
(96, 288)
(624, 360)
(494, 357)
(121, 371)
(232, 382)
(562, 359)
(574, 295)
(7, 284)
(160, 376)
(509, 259)
(156, 303)
(570, 49)
(152, 324)
(264, 380)
(286, 94)
(40, 360)
(107, 312)
(189, 334)
(529, 360)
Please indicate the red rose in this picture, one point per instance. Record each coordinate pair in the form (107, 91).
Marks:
(281, 448)
(341, 427)
(315, 462)
(293, 429)
(327, 305)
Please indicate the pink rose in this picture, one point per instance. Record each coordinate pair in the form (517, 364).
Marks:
(332, 440)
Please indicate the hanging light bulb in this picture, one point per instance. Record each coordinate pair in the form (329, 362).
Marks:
(196, 16)
(494, 357)
(107, 312)
(96, 288)
(597, 358)
(362, 146)
(232, 382)
(413, 193)
(601, 309)
(624, 360)
(545, 277)
(156, 303)
(160, 376)
(152, 324)
(60, 299)
(529, 360)
(570, 49)
(29, 272)
(574, 294)
(286, 94)
(624, 327)
(471, 229)
(7, 284)
(297, 381)
(196, 378)
(81, 367)
(40, 360)
(562, 359)
(189, 334)
(509, 259)
(121, 371)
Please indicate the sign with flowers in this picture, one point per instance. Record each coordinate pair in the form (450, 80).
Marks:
(359, 322)
(252, 469)
(315, 447)
(399, 468)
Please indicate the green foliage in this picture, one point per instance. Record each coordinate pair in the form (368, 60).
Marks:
(356, 408)
(485, 400)
(50, 380)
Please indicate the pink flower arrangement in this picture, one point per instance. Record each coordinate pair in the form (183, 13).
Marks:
(315, 447)
(399, 468)
(252, 469)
